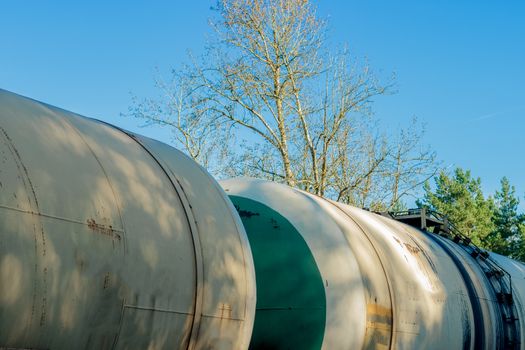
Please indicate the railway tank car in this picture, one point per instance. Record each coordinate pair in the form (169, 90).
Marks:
(110, 240)
(332, 276)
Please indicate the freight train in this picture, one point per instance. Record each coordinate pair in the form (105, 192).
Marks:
(112, 240)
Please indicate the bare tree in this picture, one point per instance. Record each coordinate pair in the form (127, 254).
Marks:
(195, 127)
(268, 99)
(410, 165)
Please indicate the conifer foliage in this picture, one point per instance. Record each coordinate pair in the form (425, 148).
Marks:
(492, 222)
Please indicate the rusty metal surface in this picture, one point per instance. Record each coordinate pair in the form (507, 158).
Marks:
(97, 245)
(415, 290)
(110, 240)
(433, 309)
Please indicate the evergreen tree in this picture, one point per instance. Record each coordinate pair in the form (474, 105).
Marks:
(507, 238)
(521, 245)
(460, 198)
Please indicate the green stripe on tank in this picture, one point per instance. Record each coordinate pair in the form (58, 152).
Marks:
(291, 302)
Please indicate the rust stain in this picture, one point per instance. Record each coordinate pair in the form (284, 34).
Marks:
(378, 326)
(378, 316)
(107, 280)
(38, 229)
(43, 237)
(378, 310)
(21, 168)
(226, 310)
(412, 249)
(106, 230)
(33, 305)
(43, 315)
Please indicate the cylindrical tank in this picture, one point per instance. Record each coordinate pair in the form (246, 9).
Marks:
(331, 276)
(110, 240)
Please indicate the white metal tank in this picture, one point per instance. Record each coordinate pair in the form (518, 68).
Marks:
(110, 240)
(365, 281)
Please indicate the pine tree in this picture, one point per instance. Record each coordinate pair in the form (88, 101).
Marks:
(521, 245)
(507, 238)
(460, 198)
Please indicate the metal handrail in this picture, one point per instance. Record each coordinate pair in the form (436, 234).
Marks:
(452, 229)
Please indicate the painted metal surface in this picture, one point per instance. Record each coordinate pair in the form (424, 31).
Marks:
(113, 241)
(346, 307)
(517, 271)
(110, 240)
(287, 317)
(409, 289)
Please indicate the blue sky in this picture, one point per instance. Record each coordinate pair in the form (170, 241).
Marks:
(460, 65)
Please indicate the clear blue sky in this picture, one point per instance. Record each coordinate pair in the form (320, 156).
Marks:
(460, 65)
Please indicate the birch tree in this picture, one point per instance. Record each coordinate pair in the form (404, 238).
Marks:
(270, 99)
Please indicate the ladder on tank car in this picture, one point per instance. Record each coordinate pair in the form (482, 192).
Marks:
(500, 280)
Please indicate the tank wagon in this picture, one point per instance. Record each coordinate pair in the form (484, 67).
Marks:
(111, 240)
(333, 276)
